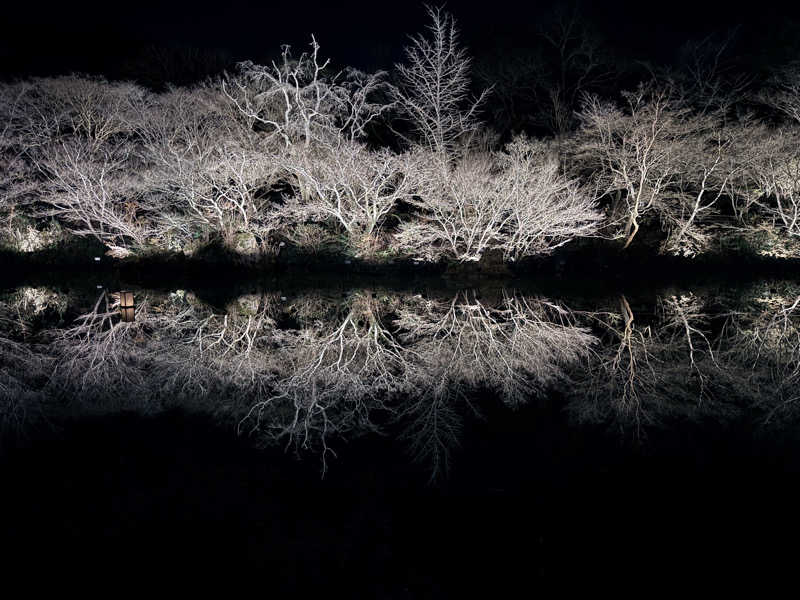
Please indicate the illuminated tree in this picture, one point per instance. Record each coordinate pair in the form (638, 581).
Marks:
(353, 186)
(763, 348)
(785, 92)
(71, 151)
(434, 88)
(645, 371)
(204, 168)
(98, 353)
(517, 347)
(79, 106)
(298, 101)
(635, 151)
(774, 171)
(94, 191)
(18, 177)
(516, 201)
(709, 161)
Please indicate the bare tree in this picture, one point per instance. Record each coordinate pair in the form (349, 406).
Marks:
(87, 107)
(785, 93)
(548, 209)
(433, 423)
(459, 216)
(72, 133)
(517, 346)
(762, 347)
(516, 201)
(22, 369)
(94, 191)
(176, 351)
(708, 75)
(635, 152)
(623, 373)
(64, 132)
(655, 366)
(347, 366)
(775, 171)
(580, 66)
(434, 90)
(217, 362)
(204, 168)
(708, 163)
(18, 177)
(98, 353)
(296, 100)
(352, 185)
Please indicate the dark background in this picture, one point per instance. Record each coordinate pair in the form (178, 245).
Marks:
(117, 38)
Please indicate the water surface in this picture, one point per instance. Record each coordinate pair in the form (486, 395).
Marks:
(415, 430)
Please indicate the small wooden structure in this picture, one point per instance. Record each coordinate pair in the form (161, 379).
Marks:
(127, 309)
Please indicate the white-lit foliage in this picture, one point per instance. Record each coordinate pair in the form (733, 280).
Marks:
(299, 101)
(79, 106)
(98, 355)
(71, 154)
(97, 191)
(634, 151)
(177, 351)
(204, 168)
(774, 173)
(516, 201)
(660, 160)
(18, 180)
(434, 88)
(517, 346)
(139, 170)
(350, 364)
(710, 160)
(763, 348)
(352, 186)
(647, 370)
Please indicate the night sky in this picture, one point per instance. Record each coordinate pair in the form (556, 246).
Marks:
(111, 38)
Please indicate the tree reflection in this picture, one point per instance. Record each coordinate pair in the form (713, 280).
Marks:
(334, 376)
(21, 368)
(316, 369)
(643, 371)
(763, 348)
(515, 347)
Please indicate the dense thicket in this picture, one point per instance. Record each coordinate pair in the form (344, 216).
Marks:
(379, 164)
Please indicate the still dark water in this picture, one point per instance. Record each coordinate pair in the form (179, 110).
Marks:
(402, 439)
